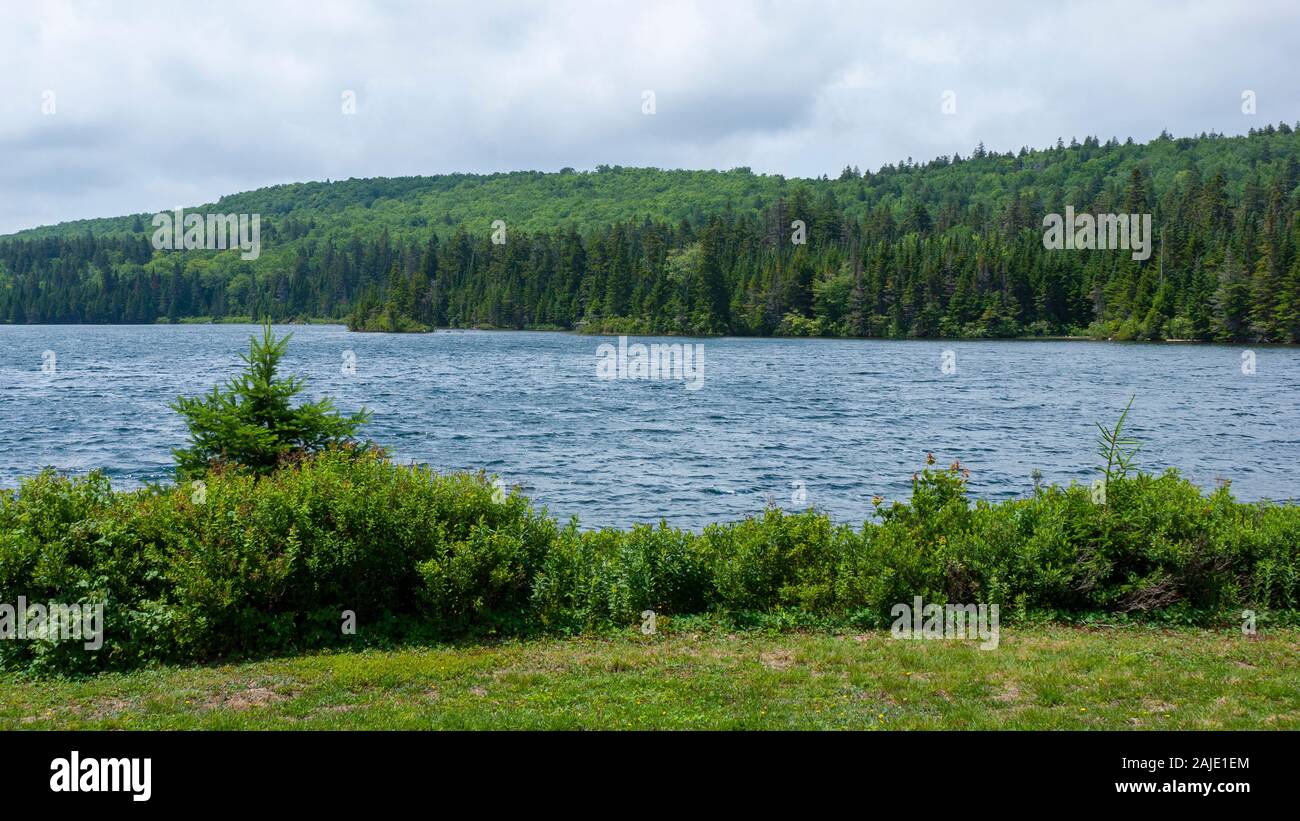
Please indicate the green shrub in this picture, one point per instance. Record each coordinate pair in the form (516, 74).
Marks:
(778, 560)
(251, 563)
(609, 577)
(485, 575)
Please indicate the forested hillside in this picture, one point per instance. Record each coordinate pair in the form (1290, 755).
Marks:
(947, 248)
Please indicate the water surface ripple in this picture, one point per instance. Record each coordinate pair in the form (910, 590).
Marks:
(848, 419)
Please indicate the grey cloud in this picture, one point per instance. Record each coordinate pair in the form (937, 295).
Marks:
(172, 103)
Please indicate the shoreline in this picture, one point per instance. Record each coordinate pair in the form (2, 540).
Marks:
(342, 323)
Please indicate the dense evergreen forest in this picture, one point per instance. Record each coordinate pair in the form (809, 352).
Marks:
(948, 248)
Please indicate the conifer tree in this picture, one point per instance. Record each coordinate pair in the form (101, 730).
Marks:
(251, 425)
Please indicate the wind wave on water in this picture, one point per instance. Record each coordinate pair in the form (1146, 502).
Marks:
(843, 420)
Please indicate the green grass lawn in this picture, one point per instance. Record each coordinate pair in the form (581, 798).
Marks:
(1040, 678)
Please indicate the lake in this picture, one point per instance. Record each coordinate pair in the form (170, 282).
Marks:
(828, 423)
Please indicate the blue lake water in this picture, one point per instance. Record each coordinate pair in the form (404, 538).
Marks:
(827, 423)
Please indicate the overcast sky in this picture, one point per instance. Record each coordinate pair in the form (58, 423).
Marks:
(155, 105)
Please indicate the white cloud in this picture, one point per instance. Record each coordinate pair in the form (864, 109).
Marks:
(172, 103)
